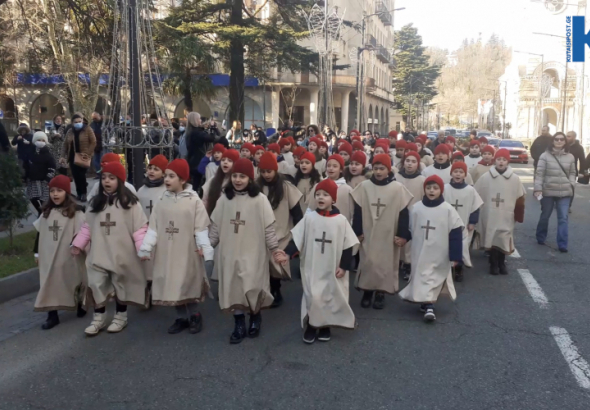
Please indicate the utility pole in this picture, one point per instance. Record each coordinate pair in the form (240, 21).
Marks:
(328, 76)
(504, 114)
(135, 170)
(360, 79)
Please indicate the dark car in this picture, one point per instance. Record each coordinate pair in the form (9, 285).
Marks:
(518, 151)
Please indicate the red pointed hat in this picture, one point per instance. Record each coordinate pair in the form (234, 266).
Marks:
(115, 168)
(274, 147)
(244, 166)
(160, 161)
(219, 148)
(346, 147)
(308, 156)
(413, 154)
(268, 161)
(338, 159)
(383, 159)
(442, 149)
(231, 154)
(360, 157)
(459, 165)
(490, 149)
(503, 153)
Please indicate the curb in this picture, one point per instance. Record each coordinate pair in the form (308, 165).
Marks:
(19, 284)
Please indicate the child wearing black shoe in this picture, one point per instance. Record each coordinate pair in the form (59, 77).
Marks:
(325, 240)
(436, 247)
(243, 230)
(62, 277)
(178, 232)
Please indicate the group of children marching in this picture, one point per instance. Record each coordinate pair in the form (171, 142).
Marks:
(403, 207)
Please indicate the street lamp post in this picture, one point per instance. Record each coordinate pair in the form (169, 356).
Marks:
(540, 113)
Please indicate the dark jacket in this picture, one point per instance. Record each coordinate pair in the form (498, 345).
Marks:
(580, 156)
(23, 150)
(197, 142)
(97, 129)
(436, 143)
(4, 142)
(540, 145)
(40, 165)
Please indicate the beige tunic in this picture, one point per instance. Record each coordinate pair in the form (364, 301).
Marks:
(321, 166)
(114, 269)
(355, 180)
(427, 160)
(148, 198)
(379, 256)
(320, 241)
(431, 268)
(476, 172)
(179, 271)
(465, 201)
(283, 226)
(416, 188)
(499, 193)
(305, 187)
(242, 257)
(62, 276)
(444, 174)
(344, 201)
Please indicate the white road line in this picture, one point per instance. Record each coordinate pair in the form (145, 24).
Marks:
(533, 287)
(577, 364)
(515, 254)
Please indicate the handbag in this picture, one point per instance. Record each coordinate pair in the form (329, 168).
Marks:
(79, 159)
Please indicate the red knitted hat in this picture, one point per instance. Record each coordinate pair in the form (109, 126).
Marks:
(338, 159)
(298, 152)
(249, 147)
(346, 147)
(473, 142)
(411, 146)
(180, 168)
(115, 168)
(483, 139)
(436, 179)
(384, 144)
(413, 154)
(160, 161)
(459, 155)
(503, 153)
(284, 141)
(356, 132)
(320, 137)
(274, 147)
(328, 186)
(383, 159)
(421, 139)
(490, 149)
(459, 165)
(356, 138)
(357, 145)
(110, 157)
(360, 157)
(291, 140)
(308, 156)
(442, 149)
(218, 148)
(401, 144)
(268, 161)
(450, 138)
(259, 148)
(232, 154)
(61, 182)
(324, 144)
(392, 134)
(315, 140)
(244, 166)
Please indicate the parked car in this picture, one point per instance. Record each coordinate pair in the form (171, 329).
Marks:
(494, 142)
(432, 135)
(486, 134)
(518, 151)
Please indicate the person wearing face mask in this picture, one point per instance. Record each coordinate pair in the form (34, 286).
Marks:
(39, 170)
(79, 139)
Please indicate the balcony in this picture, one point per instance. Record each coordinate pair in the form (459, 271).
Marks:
(370, 84)
(371, 41)
(383, 55)
(384, 13)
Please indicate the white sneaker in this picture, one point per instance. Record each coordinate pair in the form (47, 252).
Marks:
(429, 316)
(119, 322)
(98, 323)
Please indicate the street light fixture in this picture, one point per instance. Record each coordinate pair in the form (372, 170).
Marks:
(540, 114)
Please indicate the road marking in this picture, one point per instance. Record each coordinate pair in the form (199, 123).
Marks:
(533, 287)
(577, 364)
(515, 254)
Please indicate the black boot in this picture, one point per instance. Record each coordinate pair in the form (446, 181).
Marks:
(275, 291)
(195, 323)
(310, 334)
(324, 334)
(178, 326)
(367, 299)
(239, 332)
(494, 268)
(379, 302)
(80, 311)
(502, 263)
(459, 273)
(255, 324)
(52, 320)
(406, 271)
(149, 295)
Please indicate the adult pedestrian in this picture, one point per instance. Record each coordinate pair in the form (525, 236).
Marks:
(577, 151)
(39, 169)
(198, 142)
(441, 139)
(540, 145)
(234, 135)
(56, 140)
(555, 177)
(472, 135)
(96, 126)
(24, 145)
(77, 152)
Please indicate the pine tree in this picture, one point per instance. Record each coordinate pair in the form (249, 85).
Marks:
(414, 76)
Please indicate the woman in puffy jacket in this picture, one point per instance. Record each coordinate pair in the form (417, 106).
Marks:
(555, 179)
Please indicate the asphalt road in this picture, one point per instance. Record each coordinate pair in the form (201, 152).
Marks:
(496, 347)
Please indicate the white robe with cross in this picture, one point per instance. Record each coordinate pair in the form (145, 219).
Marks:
(148, 198)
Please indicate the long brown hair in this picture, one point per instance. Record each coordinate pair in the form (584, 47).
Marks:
(215, 189)
(68, 207)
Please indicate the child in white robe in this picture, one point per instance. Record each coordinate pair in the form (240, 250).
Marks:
(306, 178)
(62, 277)
(325, 240)
(474, 156)
(356, 172)
(483, 166)
(436, 247)
(106, 158)
(442, 164)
